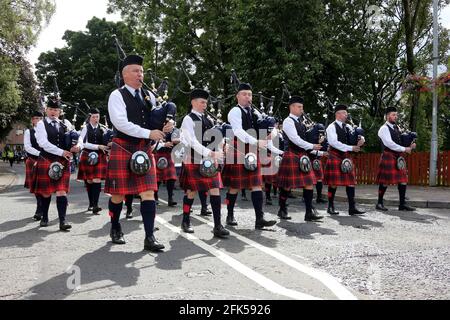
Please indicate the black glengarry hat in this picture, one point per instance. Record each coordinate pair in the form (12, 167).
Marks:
(340, 107)
(390, 109)
(244, 86)
(131, 59)
(199, 93)
(296, 99)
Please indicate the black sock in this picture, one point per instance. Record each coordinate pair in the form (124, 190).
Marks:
(331, 194)
(203, 195)
(96, 188)
(319, 187)
(156, 192)
(187, 204)
(61, 204)
(129, 202)
(275, 189)
(114, 213)
(268, 188)
(402, 193)
(38, 204)
(308, 196)
(230, 201)
(170, 184)
(89, 192)
(45, 202)
(148, 212)
(243, 193)
(282, 198)
(351, 197)
(381, 191)
(216, 206)
(257, 199)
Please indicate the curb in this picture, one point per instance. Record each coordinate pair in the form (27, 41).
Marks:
(414, 203)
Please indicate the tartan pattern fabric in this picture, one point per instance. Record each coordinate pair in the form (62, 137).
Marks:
(388, 173)
(333, 176)
(191, 179)
(29, 171)
(269, 172)
(234, 175)
(317, 173)
(170, 172)
(119, 178)
(42, 183)
(290, 176)
(88, 172)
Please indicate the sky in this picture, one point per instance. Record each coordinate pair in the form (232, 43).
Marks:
(74, 15)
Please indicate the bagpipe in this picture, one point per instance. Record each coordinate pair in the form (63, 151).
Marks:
(356, 132)
(407, 137)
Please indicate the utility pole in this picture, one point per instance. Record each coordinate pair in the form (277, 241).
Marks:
(434, 137)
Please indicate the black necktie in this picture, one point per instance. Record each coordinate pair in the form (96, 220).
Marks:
(54, 123)
(137, 96)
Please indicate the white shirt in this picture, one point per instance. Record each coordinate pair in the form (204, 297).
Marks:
(189, 138)
(27, 144)
(118, 114)
(333, 139)
(270, 144)
(291, 132)
(42, 140)
(385, 136)
(235, 120)
(87, 145)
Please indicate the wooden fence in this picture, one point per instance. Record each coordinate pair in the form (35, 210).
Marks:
(418, 168)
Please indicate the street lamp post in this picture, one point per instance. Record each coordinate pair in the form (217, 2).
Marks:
(434, 137)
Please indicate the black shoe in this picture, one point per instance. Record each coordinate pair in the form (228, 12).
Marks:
(37, 217)
(406, 208)
(268, 202)
(320, 200)
(282, 214)
(205, 212)
(96, 210)
(331, 211)
(262, 223)
(381, 207)
(186, 227)
(129, 214)
(117, 236)
(171, 203)
(151, 244)
(313, 216)
(63, 226)
(221, 232)
(355, 211)
(231, 221)
(43, 224)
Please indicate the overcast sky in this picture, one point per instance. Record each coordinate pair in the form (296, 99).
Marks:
(74, 15)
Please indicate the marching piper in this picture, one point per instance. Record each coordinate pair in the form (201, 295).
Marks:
(33, 151)
(193, 129)
(392, 166)
(339, 169)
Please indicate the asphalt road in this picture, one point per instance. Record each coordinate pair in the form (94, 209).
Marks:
(394, 255)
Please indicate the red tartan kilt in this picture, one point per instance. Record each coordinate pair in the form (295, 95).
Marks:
(88, 172)
(29, 172)
(42, 183)
(235, 175)
(290, 176)
(269, 172)
(119, 178)
(317, 173)
(333, 176)
(387, 170)
(191, 179)
(169, 173)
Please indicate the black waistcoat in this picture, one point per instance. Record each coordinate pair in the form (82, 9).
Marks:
(206, 125)
(93, 136)
(395, 136)
(33, 142)
(301, 132)
(55, 137)
(137, 113)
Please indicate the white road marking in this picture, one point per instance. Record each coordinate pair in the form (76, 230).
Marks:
(326, 279)
(238, 266)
